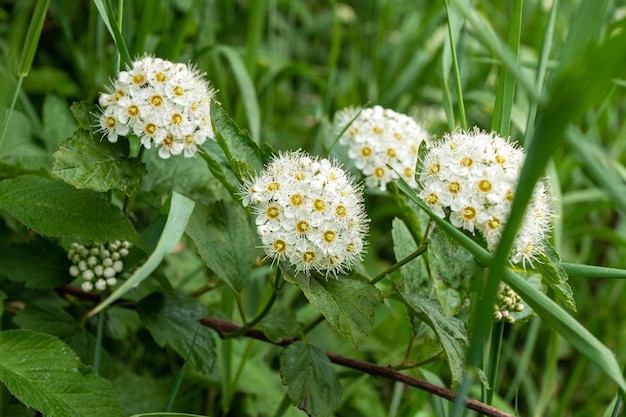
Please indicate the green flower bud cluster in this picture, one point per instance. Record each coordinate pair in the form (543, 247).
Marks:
(507, 302)
(98, 264)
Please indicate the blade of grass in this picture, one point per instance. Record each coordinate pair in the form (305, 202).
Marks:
(181, 374)
(26, 60)
(180, 209)
(501, 121)
(108, 17)
(457, 73)
(551, 313)
(590, 271)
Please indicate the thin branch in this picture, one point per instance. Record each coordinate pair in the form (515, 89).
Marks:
(224, 327)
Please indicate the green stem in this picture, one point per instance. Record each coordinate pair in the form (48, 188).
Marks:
(494, 359)
(97, 355)
(420, 250)
(457, 73)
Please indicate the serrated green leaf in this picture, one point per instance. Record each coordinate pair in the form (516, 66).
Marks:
(53, 208)
(450, 331)
(236, 143)
(84, 112)
(180, 208)
(280, 322)
(46, 314)
(44, 374)
(174, 321)
(452, 268)
(225, 241)
(415, 278)
(38, 263)
(58, 122)
(549, 265)
(311, 381)
(86, 162)
(347, 302)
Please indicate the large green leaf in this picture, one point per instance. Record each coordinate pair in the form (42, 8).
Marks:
(311, 381)
(46, 314)
(38, 263)
(86, 162)
(347, 302)
(449, 330)
(225, 241)
(452, 269)
(415, 278)
(44, 373)
(243, 153)
(174, 321)
(179, 210)
(280, 322)
(53, 208)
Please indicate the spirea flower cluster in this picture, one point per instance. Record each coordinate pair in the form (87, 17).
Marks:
(309, 213)
(382, 143)
(165, 104)
(98, 264)
(472, 177)
(507, 302)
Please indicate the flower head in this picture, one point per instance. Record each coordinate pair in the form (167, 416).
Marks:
(473, 175)
(308, 212)
(382, 143)
(98, 264)
(163, 103)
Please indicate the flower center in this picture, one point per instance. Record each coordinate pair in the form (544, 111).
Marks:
(160, 77)
(484, 186)
(308, 257)
(299, 176)
(168, 140)
(353, 131)
(150, 129)
(272, 212)
(379, 172)
(111, 122)
(319, 205)
(432, 199)
(341, 211)
(500, 159)
(408, 172)
(279, 246)
(296, 200)
(466, 162)
(188, 140)
(139, 79)
(509, 196)
(366, 152)
(454, 187)
(177, 119)
(391, 153)
(273, 186)
(302, 226)
(118, 95)
(493, 223)
(178, 91)
(377, 130)
(133, 110)
(434, 169)
(397, 135)
(350, 247)
(329, 236)
(156, 101)
(468, 213)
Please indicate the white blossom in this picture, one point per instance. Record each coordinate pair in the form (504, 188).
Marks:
(97, 264)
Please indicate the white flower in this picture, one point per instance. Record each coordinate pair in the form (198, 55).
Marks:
(97, 263)
(308, 212)
(473, 176)
(164, 104)
(382, 144)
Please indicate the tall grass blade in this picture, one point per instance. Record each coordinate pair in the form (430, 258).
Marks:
(108, 17)
(455, 65)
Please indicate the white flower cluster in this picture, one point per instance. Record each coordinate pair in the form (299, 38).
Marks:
(163, 103)
(382, 143)
(507, 302)
(308, 212)
(98, 264)
(473, 175)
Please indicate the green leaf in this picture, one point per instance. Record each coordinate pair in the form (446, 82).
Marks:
(53, 208)
(311, 381)
(549, 265)
(225, 241)
(280, 322)
(180, 209)
(46, 314)
(39, 263)
(84, 112)
(174, 321)
(44, 374)
(86, 162)
(415, 278)
(449, 330)
(347, 302)
(3, 297)
(242, 152)
(452, 269)
(58, 122)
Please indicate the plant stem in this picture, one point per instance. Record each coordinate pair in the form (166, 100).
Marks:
(494, 358)
(421, 249)
(97, 355)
